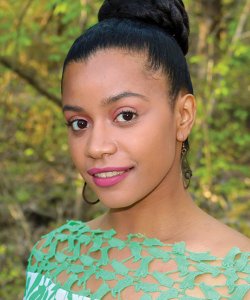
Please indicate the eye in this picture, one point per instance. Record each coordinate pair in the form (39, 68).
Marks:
(78, 124)
(126, 116)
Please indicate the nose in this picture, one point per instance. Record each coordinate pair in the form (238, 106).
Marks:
(100, 142)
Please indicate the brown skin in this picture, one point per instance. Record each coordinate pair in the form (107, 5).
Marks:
(151, 199)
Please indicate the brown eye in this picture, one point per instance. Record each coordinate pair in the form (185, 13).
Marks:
(82, 124)
(126, 116)
(79, 124)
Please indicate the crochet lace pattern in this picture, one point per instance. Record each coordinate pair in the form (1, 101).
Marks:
(81, 263)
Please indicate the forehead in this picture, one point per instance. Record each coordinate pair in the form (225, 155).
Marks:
(110, 71)
(123, 57)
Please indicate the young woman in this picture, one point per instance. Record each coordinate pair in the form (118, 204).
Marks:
(129, 104)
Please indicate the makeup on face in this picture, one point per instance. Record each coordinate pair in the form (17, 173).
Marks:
(121, 127)
(109, 176)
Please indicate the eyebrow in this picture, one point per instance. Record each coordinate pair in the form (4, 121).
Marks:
(72, 108)
(122, 95)
(107, 101)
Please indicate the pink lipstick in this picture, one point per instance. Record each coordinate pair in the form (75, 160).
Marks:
(105, 177)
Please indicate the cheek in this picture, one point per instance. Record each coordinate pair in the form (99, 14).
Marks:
(158, 148)
(152, 147)
(161, 152)
(158, 136)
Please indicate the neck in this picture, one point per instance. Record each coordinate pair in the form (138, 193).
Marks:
(167, 214)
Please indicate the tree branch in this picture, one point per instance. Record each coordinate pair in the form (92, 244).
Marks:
(242, 21)
(237, 36)
(29, 75)
(19, 24)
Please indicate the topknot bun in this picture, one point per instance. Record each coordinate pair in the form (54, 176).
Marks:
(170, 15)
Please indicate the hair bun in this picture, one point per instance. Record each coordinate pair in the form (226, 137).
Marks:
(170, 15)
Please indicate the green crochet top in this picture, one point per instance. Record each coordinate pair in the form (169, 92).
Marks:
(79, 263)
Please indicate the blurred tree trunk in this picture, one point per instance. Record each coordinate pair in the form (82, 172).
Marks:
(209, 16)
(213, 17)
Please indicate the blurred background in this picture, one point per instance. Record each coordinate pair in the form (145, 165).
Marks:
(39, 187)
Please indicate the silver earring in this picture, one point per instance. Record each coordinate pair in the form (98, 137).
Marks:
(84, 197)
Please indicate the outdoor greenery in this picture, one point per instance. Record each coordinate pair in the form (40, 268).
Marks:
(39, 187)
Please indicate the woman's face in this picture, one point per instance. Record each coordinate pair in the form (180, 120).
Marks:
(122, 132)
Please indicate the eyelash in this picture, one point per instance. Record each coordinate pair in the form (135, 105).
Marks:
(71, 123)
(127, 111)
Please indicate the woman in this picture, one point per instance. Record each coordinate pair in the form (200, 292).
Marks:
(129, 105)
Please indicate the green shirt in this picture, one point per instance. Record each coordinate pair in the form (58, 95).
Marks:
(78, 263)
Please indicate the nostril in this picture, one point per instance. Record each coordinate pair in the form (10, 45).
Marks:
(100, 150)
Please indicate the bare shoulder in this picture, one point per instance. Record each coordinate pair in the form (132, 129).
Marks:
(210, 234)
(234, 238)
(223, 238)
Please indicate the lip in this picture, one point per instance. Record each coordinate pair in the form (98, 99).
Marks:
(109, 181)
(94, 171)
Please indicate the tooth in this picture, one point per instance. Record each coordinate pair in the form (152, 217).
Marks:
(109, 174)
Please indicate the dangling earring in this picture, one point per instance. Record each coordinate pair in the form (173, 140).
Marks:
(84, 197)
(186, 170)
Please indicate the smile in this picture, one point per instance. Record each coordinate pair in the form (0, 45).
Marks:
(109, 176)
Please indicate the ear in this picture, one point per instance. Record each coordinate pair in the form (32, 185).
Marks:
(185, 110)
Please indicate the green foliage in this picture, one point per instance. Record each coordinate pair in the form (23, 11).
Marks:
(39, 187)
(221, 136)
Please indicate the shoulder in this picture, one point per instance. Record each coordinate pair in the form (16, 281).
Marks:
(71, 229)
(228, 237)
(232, 238)
(47, 247)
(221, 238)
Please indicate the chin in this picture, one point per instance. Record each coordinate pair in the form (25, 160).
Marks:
(120, 204)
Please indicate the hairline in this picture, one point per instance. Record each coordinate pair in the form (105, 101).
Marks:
(128, 51)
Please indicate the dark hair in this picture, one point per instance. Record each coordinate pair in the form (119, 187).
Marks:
(159, 28)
